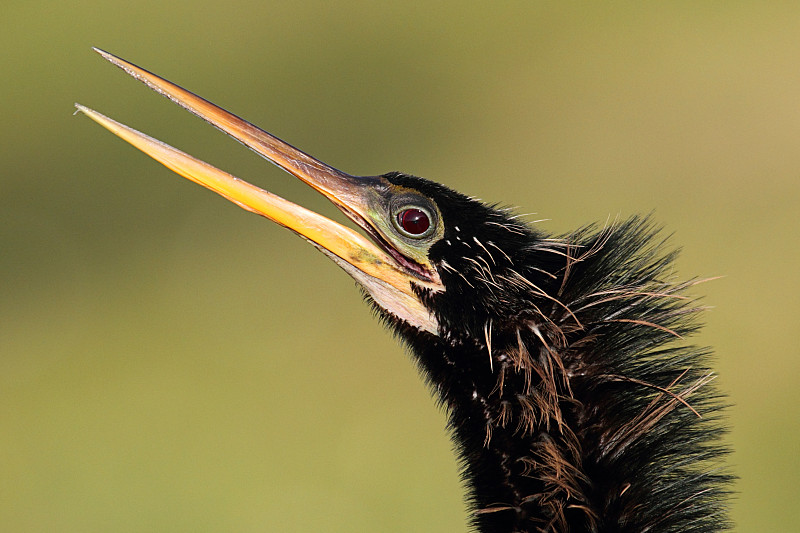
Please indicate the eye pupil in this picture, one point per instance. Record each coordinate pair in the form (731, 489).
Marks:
(414, 221)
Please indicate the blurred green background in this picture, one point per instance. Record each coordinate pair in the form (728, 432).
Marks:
(169, 362)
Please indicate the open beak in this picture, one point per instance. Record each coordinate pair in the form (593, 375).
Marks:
(377, 265)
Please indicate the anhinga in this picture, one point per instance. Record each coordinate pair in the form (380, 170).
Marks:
(571, 406)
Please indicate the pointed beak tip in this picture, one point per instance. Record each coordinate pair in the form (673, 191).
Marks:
(91, 113)
(83, 110)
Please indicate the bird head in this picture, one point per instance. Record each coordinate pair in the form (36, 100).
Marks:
(433, 258)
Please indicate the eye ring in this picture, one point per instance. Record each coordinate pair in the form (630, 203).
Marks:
(413, 221)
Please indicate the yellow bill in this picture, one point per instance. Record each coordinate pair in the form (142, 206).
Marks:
(332, 236)
(392, 271)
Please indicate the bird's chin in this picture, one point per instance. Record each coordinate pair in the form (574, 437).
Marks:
(403, 305)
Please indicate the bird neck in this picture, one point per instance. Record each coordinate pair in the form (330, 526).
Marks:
(508, 415)
(581, 416)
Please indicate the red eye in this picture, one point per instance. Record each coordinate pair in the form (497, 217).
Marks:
(413, 221)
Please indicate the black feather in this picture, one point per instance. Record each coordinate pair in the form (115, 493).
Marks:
(573, 398)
